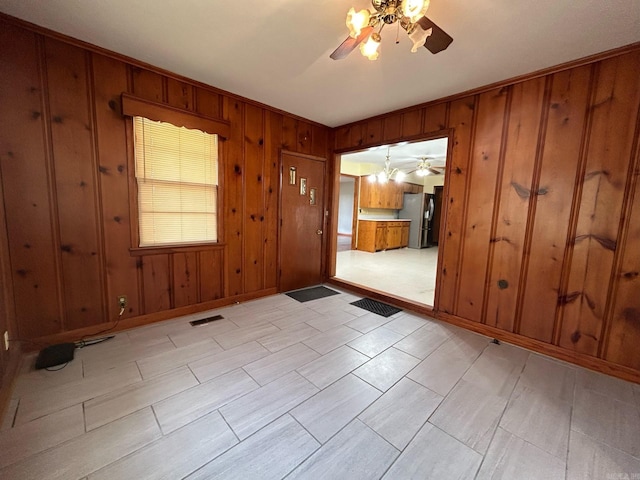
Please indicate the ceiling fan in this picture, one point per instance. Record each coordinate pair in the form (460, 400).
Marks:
(425, 167)
(409, 14)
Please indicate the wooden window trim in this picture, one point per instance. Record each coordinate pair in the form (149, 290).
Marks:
(134, 106)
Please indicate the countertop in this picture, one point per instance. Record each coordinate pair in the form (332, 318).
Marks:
(384, 219)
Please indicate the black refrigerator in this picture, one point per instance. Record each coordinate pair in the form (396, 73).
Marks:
(419, 208)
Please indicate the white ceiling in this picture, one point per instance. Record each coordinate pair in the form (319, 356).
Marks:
(277, 51)
(404, 156)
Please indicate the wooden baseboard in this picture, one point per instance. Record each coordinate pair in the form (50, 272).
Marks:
(580, 359)
(8, 379)
(128, 323)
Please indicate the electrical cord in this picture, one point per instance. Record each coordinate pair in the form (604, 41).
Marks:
(86, 343)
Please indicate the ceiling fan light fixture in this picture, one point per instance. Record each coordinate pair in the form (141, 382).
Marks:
(356, 21)
(400, 176)
(418, 37)
(414, 9)
(369, 49)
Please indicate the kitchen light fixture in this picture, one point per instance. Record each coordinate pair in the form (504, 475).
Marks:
(387, 172)
(406, 12)
(425, 168)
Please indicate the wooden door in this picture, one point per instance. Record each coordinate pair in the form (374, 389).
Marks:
(301, 222)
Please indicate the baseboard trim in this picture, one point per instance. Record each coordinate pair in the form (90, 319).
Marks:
(580, 359)
(129, 323)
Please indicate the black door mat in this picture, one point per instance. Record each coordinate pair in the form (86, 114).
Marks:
(313, 293)
(374, 306)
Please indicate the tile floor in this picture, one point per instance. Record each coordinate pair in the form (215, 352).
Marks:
(405, 272)
(317, 390)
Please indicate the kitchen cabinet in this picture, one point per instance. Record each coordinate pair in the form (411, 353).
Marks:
(384, 195)
(376, 235)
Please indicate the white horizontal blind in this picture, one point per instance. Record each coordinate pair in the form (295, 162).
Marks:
(177, 176)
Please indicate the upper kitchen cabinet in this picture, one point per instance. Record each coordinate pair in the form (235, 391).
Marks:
(384, 195)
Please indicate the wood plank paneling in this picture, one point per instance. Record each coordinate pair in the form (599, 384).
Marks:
(435, 118)
(122, 272)
(461, 120)
(392, 128)
(273, 140)
(211, 268)
(624, 336)
(185, 278)
(179, 94)
(508, 237)
(147, 84)
(373, 131)
(233, 192)
(412, 122)
(156, 277)
(254, 199)
(305, 137)
(560, 163)
(357, 135)
(484, 168)
(289, 133)
(208, 103)
(616, 101)
(23, 157)
(74, 166)
(320, 140)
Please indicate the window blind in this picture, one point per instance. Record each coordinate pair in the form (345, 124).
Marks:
(177, 178)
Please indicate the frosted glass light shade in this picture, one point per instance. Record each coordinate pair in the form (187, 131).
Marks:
(356, 21)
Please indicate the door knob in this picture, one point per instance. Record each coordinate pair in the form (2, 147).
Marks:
(319, 232)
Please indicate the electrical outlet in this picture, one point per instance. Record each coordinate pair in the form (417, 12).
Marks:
(122, 301)
(6, 340)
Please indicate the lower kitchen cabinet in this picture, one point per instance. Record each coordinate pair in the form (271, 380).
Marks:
(376, 235)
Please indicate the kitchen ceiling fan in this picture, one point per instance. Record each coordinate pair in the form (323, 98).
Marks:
(425, 167)
(409, 14)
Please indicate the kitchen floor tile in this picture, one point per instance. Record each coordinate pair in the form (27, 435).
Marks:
(375, 342)
(325, 370)
(384, 370)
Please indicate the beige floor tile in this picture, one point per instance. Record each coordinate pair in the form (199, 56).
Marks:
(227, 361)
(9, 415)
(176, 455)
(36, 405)
(406, 324)
(589, 458)
(375, 342)
(271, 453)
(326, 413)
(549, 376)
(233, 338)
(497, 369)
(118, 403)
(40, 380)
(441, 370)
(605, 385)
(610, 421)
(95, 363)
(510, 457)
(401, 412)
(178, 357)
(539, 419)
(287, 337)
(470, 414)
(368, 322)
(250, 413)
(196, 334)
(253, 317)
(325, 370)
(434, 454)
(30, 438)
(271, 367)
(185, 407)
(330, 320)
(296, 317)
(331, 339)
(354, 453)
(423, 341)
(384, 370)
(89, 452)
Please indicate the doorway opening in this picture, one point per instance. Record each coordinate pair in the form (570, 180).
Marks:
(393, 197)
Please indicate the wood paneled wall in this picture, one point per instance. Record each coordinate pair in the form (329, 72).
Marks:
(63, 156)
(542, 234)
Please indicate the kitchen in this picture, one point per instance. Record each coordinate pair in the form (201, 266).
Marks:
(390, 207)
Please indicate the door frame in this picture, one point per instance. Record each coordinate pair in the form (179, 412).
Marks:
(325, 213)
(447, 133)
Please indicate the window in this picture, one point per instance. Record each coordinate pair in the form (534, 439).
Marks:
(177, 179)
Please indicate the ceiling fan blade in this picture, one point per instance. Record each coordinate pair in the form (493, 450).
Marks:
(438, 40)
(350, 44)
